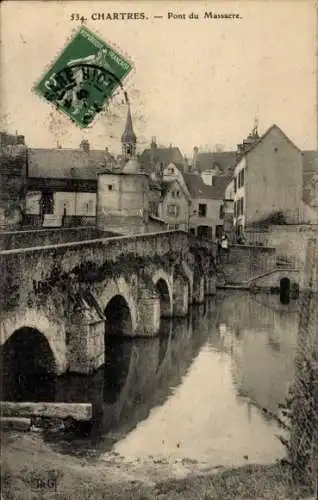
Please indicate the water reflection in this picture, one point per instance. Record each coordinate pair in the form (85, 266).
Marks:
(196, 389)
(213, 415)
(262, 342)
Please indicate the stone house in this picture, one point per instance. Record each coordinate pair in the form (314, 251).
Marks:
(267, 180)
(63, 182)
(128, 199)
(175, 205)
(206, 210)
(123, 201)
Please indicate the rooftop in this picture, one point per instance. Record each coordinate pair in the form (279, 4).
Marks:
(65, 163)
(198, 189)
(224, 160)
(152, 156)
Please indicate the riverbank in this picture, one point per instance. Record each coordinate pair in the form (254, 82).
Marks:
(31, 468)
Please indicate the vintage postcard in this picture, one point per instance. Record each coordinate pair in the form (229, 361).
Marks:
(159, 249)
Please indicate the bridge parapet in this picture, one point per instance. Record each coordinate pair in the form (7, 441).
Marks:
(85, 288)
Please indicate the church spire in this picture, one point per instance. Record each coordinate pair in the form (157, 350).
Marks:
(129, 139)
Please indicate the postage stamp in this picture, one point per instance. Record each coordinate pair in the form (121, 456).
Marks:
(84, 77)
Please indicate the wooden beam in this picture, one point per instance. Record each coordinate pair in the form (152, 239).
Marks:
(78, 411)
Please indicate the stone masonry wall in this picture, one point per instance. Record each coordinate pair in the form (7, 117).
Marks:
(304, 416)
(244, 262)
(21, 269)
(10, 240)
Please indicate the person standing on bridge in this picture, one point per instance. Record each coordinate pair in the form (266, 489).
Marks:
(225, 247)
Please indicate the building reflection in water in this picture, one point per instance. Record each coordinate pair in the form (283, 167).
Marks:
(202, 379)
(138, 375)
(260, 334)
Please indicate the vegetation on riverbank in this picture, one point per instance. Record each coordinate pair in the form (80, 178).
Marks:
(26, 459)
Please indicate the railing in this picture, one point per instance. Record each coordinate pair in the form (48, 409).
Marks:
(283, 262)
(257, 238)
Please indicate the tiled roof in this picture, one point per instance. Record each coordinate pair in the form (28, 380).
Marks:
(224, 160)
(198, 189)
(150, 157)
(64, 163)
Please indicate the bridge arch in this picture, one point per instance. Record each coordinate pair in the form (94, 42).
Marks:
(28, 366)
(119, 308)
(163, 288)
(37, 320)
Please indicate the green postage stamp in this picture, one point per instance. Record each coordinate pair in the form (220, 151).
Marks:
(84, 77)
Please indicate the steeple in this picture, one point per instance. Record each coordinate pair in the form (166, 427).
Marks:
(129, 139)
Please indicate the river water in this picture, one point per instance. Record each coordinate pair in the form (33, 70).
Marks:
(198, 391)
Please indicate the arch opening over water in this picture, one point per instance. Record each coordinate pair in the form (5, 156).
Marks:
(118, 318)
(162, 290)
(28, 367)
(284, 290)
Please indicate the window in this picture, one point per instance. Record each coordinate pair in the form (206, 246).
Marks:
(242, 177)
(47, 203)
(178, 194)
(173, 193)
(235, 185)
(239, 207)
(110, 187)
(153, 208)
(173, 209)
(170, 170)
(202, 210)
(221, 212)
(218, 231)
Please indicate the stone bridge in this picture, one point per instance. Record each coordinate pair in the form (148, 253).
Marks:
(59, 301)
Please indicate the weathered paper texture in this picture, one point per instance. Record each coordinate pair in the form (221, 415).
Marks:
(204, 397)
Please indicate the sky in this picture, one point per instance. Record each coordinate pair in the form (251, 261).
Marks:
(196, 82)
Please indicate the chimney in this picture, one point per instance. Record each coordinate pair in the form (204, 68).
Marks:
(20, 139)
(186, 164)
(84, 146)
(195, 157)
